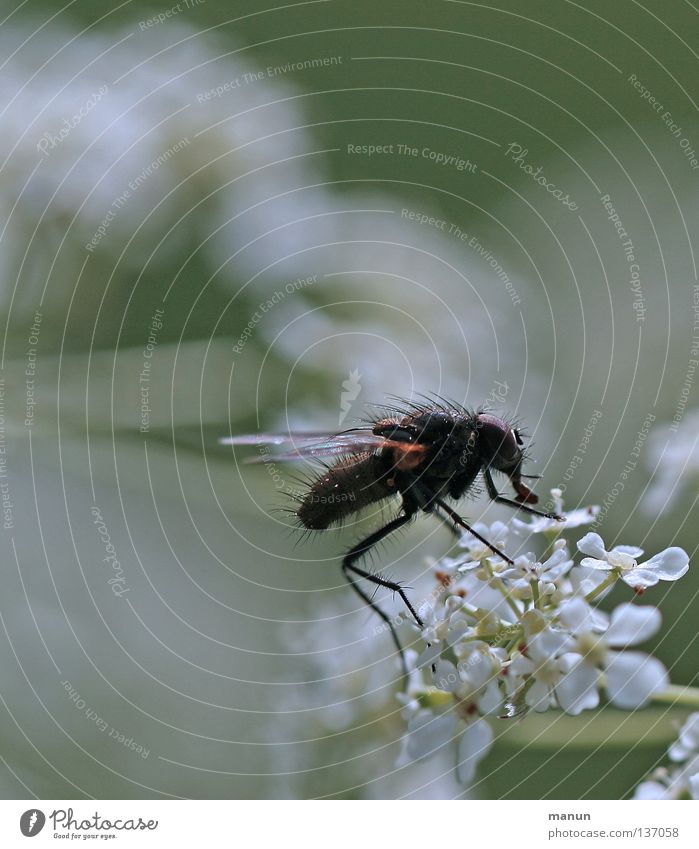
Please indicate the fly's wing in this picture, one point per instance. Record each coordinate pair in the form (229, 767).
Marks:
(296, 446)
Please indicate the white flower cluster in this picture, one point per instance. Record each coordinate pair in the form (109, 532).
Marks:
(503, 638)
(682, 780)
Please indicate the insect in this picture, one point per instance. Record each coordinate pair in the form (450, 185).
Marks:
(420, 453)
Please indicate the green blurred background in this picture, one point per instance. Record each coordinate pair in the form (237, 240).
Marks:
(236, 663)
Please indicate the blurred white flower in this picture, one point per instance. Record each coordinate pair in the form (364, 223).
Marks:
(694, 786)
(673, 455)
(475, 743)
(426, 734)
(632, 677)
(687, 744)
(116, 138)
(682, 779)
(577, 616)
(165, 167)
(664, 785)
(429, 732)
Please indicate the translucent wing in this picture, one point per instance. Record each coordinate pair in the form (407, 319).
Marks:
(295, 446)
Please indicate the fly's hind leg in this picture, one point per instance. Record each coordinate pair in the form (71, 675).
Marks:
(351, 570)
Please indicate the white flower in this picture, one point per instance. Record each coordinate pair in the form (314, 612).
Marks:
(632, 677)
(480, 594)
(120, 132)
(584, 581)
(571, 518)
(496, 533)
(673, 456)
(674, 783)
(559, 675)
(668, 565)
(528, 569)
(694, 786)
(445, 676)
(501, 637)
(577, 616)
(479, 669)
(442, 625)
(651, 790)
(426, 734)
(688, 740)
(475, 743)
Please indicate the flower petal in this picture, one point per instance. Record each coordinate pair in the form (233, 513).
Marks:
(469, 565)
(632, 678)
(669, 565)
(648, 790)
(551, 574)
(428, 656)
(632, 550)
(560, 555)
(549, 643)
(640, 578)
(577, 689)
(585, 580)
(427, 733)
(575, 615)
(593, 563)
(687, 742)
(581, 516)
(694, 786)
(477, 669)
(592, 544)
(474, 745)
(538, 696)
(632, 624)
(445, 676)
(521, 665)
(491, 700)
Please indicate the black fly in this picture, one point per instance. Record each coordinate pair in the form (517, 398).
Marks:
(420, 453)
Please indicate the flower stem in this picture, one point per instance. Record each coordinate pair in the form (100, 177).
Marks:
(499, 584)
(514, 641)
(609, 581)
(677, 694)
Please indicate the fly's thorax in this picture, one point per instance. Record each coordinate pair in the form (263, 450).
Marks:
(468, 453)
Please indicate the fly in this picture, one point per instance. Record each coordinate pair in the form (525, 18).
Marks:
(423, 454)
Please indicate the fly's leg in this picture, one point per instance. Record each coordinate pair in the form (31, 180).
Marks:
(351, 570)
(457, 520)
(501, 499)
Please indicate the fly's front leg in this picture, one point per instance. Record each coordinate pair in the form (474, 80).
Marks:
(501, 499)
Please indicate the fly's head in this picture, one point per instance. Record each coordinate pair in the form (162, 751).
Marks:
(501, 448)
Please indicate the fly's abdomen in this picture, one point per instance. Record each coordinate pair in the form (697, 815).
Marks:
(350, 485)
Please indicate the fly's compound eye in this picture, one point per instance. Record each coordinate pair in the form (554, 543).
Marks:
(499, 442)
